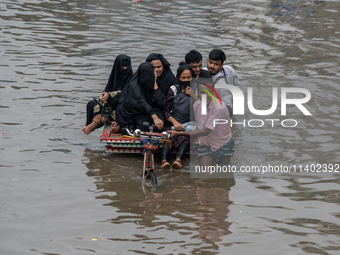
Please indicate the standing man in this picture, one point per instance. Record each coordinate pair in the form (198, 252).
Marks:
(216, 145)
(222, 74)
(194, 59)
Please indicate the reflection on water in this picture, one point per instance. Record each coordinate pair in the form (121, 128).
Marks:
(195, 208)
(205, 213)
(57, 54)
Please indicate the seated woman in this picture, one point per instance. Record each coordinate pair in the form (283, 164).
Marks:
(141, 101)
(177, 111)
(165, 77)
(121, 74)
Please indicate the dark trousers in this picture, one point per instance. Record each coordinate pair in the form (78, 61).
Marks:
(182, 149)
(90, 111)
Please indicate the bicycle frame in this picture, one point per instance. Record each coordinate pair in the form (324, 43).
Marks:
(150, 145)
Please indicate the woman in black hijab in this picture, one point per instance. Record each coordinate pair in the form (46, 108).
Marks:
(142, 100)
(165, 77)
(121, 74)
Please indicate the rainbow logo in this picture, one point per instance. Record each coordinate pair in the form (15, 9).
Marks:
(213, 90)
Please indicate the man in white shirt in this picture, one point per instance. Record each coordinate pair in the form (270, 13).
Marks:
(222, 74)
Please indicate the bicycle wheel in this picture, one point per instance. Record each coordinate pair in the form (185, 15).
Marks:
(147, 170)
(153, 179)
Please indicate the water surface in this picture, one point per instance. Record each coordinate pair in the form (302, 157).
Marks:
(61, 193)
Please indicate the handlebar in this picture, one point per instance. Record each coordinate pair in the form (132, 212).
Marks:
(127, 131)
(142, 134)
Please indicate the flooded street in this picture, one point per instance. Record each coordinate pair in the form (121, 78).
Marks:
(62, 193)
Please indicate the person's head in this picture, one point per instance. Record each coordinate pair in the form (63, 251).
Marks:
(215, 61)
(184, 74)
(204, 88)
(125, 61)
(146, 75)
(194, 59)
(158, 62)
(122, 62)
(121, 73)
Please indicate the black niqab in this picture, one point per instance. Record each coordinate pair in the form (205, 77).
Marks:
(119, 77)
(167, 78)
(139, 97)
(146, 76)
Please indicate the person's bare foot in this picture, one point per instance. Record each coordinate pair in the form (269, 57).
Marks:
(96, 123)
(89, 128)
(115, 128)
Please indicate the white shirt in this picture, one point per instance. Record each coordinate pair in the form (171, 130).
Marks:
(229, 76)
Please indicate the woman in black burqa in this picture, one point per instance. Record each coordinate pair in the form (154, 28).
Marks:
(165, 77)
(121, 74)
(142, 100)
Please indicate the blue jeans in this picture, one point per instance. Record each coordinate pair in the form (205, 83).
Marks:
(225, 151)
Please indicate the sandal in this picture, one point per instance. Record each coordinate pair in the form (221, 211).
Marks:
(165, 164)
(176, 165)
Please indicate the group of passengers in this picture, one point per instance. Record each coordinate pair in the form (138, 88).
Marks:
(154, 95)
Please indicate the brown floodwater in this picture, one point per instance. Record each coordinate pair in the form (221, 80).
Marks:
(62, 193)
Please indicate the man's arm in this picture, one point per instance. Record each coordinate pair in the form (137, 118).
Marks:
(230, 75)
(195, 133)
(190, 92)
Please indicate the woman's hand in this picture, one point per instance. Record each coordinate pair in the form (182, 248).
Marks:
(158, 122)
(105, 97)
(178, 126)
(155, 86)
